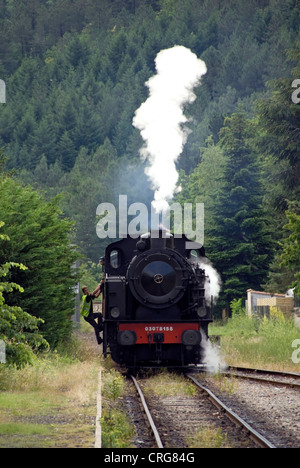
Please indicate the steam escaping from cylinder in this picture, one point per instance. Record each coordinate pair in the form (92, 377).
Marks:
(212, 357)
(160, 118)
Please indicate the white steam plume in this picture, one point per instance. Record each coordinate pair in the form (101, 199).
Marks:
(212, 357)
(213, 282)
(160, 119)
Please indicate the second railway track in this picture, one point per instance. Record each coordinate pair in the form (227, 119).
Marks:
(285, 379)
(268, 399)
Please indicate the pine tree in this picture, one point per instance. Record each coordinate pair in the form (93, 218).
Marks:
(239, 243)
(291, 245)
(278, 141)
(67, 151)
(279, 120)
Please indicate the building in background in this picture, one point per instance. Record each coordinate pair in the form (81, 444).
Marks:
(260, 302)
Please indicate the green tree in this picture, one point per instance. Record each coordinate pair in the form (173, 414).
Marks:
(40, 238)
(291, 247)
(278, 139)
(278, 119)
(67, 151)
(75, 73)
(205, 183)
(239, 243)
(18, 329)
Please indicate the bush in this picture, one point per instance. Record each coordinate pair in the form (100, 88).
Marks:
(236, 308)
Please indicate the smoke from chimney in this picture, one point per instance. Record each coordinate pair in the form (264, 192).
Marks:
(161, 120)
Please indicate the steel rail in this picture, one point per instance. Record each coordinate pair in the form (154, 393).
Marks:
(254, 435)
(253, 374)
(148, 414)
(253, 370)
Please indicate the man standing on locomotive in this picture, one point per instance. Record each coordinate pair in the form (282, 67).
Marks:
(87, 310)
(102, 263)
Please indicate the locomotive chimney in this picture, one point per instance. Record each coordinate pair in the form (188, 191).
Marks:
(161, 238)
(158, 241)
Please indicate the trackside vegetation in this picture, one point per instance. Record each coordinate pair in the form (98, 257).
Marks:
(19, 331)
(52, 402)
(258, 342)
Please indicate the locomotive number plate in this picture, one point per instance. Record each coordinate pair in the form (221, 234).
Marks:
(172, 331)
(159, 329)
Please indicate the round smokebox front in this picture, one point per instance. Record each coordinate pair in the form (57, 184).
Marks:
(156, 279)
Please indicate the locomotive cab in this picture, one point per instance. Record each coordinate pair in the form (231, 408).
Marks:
(156, 309)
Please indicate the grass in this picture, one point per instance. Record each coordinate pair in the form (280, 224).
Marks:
(51, 404)
(208, 438)
(250, 341)
(166, 384)
(24, 429)
(117, 431)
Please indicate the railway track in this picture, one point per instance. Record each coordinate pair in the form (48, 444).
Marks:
(269, 400)
(259, 439)
(285, 379)
(148, 414)
(199, 412)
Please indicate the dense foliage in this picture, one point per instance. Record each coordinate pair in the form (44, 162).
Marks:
(39, 240)
(239, 239)
(19, 331)
(291, 248)
(75, 73)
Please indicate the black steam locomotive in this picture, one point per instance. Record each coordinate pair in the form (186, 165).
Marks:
(155, 311)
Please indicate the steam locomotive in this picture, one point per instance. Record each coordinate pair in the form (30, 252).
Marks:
(155, 308)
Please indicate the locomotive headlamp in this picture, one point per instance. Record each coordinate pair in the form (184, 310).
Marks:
(191, 338)
(201, 312)
(127, 338)
(115, 312)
